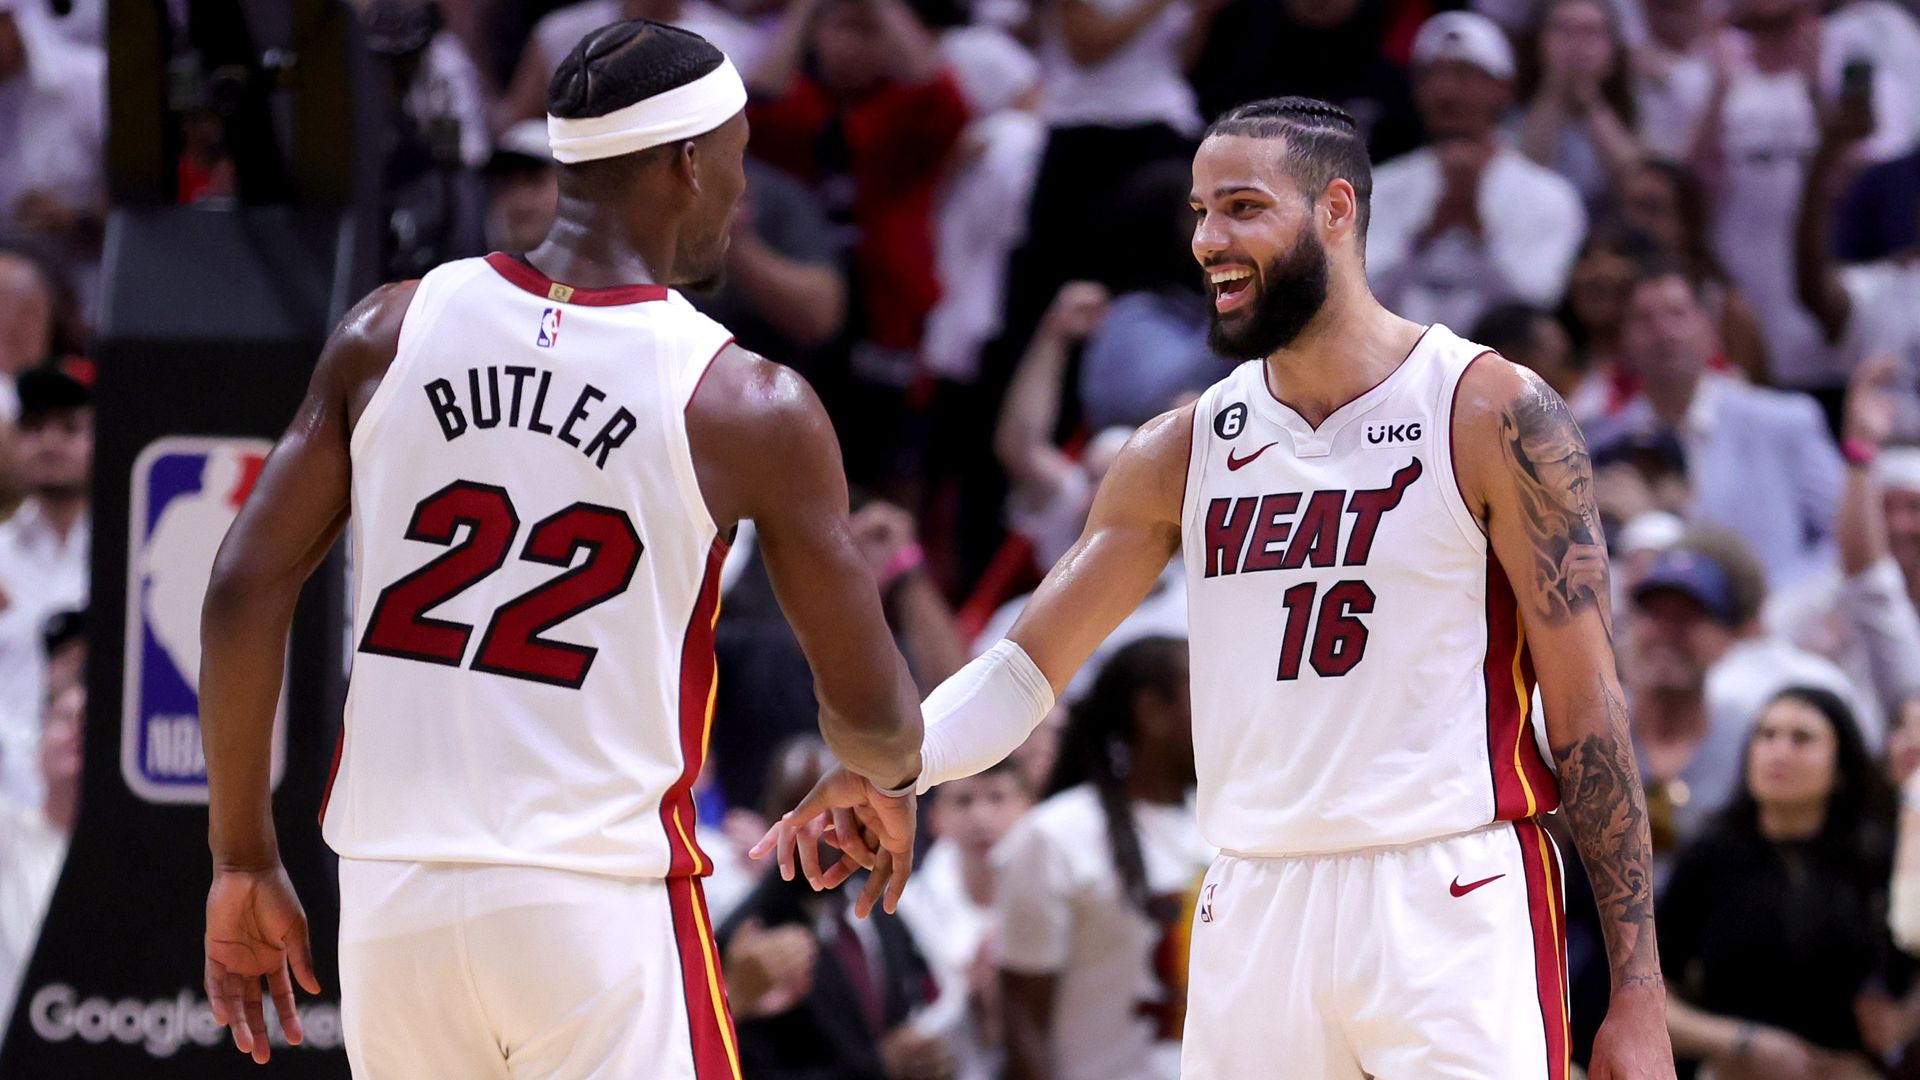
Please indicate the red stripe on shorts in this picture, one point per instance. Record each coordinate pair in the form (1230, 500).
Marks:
(709, 1022)
(1548, 921)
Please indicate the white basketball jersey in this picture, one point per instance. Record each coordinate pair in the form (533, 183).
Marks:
(536, 580)
(1359, 673)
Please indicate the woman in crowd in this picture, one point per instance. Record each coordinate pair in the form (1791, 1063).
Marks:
(1097, 884)
(1666, 202)
(1772, 928)
(1580, 106)
(1593, 311)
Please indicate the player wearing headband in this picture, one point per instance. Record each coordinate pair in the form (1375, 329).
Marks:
(542, 457)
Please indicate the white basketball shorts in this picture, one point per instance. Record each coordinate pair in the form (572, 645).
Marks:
(472, 972)
(1444, 959)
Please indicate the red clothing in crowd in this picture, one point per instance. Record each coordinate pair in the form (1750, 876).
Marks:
(897, 139)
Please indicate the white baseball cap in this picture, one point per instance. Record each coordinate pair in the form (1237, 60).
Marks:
(524, 142)
(1465, 36)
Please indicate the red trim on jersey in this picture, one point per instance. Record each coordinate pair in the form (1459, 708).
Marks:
(333, 772)
(1548, 920)
(1523, 785)
(709, 1019)
(697, 673)
(539, 284)
(704, 372)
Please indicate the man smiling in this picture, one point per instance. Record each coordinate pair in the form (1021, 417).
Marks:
(1388, 533)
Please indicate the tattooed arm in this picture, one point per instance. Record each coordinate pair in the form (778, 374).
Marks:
(1524, 471)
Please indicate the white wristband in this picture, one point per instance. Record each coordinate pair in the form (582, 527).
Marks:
(981, 714)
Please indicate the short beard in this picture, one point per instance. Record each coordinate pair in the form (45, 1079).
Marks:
(1293, 289)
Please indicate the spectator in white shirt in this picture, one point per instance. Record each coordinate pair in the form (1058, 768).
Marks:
(1580, 112)
(1761, 130)
(1672, 76)
(1098, 882)
(52, 131)
(1858, 613)
(950, 911)
(1760, 461)
(1867, 309)
(33, 836)
(43, 560)
(1467, 221)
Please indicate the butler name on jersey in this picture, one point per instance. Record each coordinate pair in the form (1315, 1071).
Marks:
(536, 582)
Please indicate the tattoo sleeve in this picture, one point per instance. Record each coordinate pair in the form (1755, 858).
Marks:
(1546, 460)
(1607, 813)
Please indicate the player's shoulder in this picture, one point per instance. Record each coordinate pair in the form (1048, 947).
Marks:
(377, 318)
(1493, 387)
(744, 389)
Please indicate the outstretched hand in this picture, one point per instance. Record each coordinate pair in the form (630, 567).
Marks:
(256, 927)
(873, 832)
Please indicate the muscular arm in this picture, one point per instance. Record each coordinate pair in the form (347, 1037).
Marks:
(988, 708)
(765, 451)
(289, 523)
(1133, 530)
(1524, 469)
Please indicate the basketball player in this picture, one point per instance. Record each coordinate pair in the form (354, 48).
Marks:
(1388, 534)
(540, 457)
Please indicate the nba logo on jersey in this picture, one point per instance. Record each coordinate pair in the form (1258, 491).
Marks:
(549, 328)
(186, 492)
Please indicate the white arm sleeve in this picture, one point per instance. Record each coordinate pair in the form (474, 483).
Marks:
(982, 713)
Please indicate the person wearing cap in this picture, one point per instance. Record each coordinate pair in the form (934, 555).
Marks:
(523, 188)
(43, 559)
(1467, 220)
(1699, 666)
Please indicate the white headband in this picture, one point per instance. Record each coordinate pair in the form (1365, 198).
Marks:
(683, 112)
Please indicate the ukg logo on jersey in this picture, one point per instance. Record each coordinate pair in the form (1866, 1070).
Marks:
(59, 1012)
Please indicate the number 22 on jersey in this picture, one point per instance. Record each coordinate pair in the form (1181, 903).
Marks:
(513, 643)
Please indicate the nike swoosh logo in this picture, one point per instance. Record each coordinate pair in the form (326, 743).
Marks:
(1458, 889)
(1235, 464)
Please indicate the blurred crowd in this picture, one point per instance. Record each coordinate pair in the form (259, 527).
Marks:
(966, 224)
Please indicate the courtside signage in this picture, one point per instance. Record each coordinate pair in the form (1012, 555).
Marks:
(186, 491)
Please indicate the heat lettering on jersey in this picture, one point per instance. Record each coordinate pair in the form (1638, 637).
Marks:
(1276, 543)
(456, 416)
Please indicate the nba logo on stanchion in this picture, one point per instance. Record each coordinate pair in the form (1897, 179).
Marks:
(186, 491)
(549, 328)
